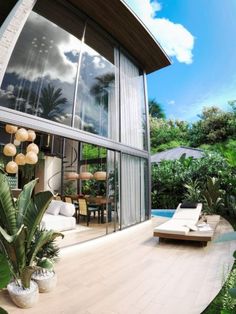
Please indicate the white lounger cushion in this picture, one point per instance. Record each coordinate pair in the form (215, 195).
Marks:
(188, 213)
(175, 226)
(183, 220)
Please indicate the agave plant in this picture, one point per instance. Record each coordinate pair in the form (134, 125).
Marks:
(213, 195)
(19, 222)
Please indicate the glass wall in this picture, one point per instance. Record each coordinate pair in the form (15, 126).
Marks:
(69, 71)
(96, 102)
(40, 77)
(132, 99)
(133, 189)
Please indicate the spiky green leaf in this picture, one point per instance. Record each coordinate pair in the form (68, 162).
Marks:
(5, 271)
(7, 206)
(24, 200)
(35, 211)
(44, 237)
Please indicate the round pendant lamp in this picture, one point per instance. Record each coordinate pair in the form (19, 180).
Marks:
(32, 148)
(20, 159)
(9, 150)
(85, 175)
(100, 175)
(71, 176)
(31, 135)
(11, 167)
(31, 158)
(21, 135)
(11, 129)
(16, 143)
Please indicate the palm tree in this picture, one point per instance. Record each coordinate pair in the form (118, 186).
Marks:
(155, 109)
(51, 99)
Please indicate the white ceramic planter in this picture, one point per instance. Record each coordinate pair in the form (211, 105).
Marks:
(46, 282)
(24, 298)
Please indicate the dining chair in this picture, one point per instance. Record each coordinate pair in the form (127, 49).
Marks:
(86, 210)
(68, 199)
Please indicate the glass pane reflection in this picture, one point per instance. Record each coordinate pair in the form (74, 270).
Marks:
(40, 76)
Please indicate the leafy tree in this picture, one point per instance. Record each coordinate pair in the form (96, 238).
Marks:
(155, 109)
(166, 134)
(215, 125)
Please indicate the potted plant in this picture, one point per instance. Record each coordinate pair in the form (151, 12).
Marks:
(19, 222)
(45, 276)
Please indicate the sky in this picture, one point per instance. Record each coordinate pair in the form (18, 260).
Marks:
(199, 37)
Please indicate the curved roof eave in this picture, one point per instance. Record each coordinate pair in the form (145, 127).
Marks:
(123, 25)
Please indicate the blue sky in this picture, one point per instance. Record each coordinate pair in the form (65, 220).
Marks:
(199, 36)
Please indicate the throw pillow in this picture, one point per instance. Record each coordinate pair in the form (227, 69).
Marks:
(54, 207)
(67, 209)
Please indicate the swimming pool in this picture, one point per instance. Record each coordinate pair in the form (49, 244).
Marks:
(162, 212)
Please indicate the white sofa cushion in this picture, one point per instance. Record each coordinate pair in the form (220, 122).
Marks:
(54, 207)
(58, 223)
(67, 209)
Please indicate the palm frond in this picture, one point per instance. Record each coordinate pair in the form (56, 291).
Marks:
(7, 206)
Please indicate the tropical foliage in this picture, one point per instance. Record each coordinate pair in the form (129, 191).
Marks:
(169, 177)
(19, 223)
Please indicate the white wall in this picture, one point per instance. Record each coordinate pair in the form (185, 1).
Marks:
(11, 29)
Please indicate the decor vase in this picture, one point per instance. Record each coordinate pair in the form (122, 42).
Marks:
(24, 298)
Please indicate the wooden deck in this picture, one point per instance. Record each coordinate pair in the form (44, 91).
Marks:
(131, 272)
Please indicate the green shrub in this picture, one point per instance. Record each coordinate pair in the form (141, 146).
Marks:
(170, 176)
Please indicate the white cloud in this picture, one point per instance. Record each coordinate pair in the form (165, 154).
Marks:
(171, 102)
(176, 40)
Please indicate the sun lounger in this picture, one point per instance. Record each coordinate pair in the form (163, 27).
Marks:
(184, 225)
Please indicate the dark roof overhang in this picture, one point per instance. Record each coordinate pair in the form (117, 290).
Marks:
(124, 26)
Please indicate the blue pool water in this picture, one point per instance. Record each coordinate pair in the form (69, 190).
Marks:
(163, 212)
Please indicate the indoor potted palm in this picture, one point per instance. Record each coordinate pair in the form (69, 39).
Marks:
(19, 222)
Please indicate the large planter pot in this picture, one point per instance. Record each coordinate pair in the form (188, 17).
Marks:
(46, 281)
(24, 298)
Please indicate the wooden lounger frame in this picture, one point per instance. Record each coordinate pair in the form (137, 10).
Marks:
(200, 236)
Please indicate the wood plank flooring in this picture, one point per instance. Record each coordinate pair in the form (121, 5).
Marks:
(131, 272)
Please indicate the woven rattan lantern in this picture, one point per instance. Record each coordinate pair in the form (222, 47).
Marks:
(31, 135)
(31, 158)
(85, 175)
(11, 167)
(10, 128)
(71, 176)
(100, 175)
(32, 148)
(21, 135)
(9, 150)
(16, 143)
(20, 159)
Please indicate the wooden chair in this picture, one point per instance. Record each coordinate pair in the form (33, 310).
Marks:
(86, 210)
(68, 199)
